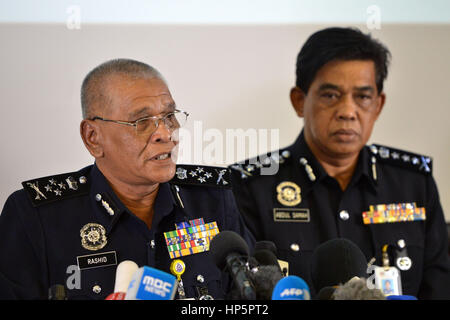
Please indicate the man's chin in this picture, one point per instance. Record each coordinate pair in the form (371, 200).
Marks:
(345, 149)
(161, 174)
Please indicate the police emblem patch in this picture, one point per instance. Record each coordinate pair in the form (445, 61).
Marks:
(288, 194)
(93, 236)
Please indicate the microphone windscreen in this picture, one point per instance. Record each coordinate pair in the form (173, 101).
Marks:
(335, 262)
(291, 288)
(124, 273)
(266, 257)
(326, 293)
(266, 245)
(224, 244)
(264, 280)
(356, 289)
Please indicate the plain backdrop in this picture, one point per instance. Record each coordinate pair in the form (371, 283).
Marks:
(227, 77)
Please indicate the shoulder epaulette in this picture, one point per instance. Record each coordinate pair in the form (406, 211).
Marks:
(262, 164)
(55, 188)
(202, 175)
(402, 158)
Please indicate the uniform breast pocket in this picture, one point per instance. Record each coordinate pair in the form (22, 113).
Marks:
(406, 244)
(92, 284)
(202, 279)
(295, 245)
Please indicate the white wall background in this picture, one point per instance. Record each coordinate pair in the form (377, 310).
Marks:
(224, 11)
(230, 66)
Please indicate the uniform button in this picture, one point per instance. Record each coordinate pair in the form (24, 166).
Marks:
(97, 289)
(200, 278)
(344, 215)
(286, 153)
(82, 180)
(98, 197)
(295, 247)
(401, 243)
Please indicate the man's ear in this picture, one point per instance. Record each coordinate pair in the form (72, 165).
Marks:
(380, 104)
(298, 100)
(91, 135)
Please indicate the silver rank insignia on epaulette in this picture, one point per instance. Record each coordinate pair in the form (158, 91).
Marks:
(201, 175)
(308, 169)
(53, 188)
(105, 201)
(267, 164)
(401, 158)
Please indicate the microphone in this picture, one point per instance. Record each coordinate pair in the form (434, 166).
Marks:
(264, 258)
(265, 245)
(264, 278)
(57, 292)
(228, 250)
(336, 261)
(291, 288)
(151, 284)
(356, 289)
(267, 274)
(116, 296)
(124, 273)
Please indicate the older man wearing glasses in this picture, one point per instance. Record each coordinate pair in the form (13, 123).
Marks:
(74, 229)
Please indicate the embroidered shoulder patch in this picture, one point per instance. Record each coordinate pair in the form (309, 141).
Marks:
(54, 188)
(267, 164)
(202, 175)
(403, 158)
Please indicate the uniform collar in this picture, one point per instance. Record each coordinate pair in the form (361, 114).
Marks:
(303, 157)
(365, 169)
(111, 208)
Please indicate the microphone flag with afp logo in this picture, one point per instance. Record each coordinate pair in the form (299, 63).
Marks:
(291, 288)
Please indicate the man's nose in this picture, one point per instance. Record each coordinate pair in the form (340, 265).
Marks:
(347, 108)
(162, 133)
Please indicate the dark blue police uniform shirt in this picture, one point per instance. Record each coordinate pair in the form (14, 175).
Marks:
(41, 226)
(301, 206)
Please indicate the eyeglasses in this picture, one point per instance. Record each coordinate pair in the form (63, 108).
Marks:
(148, 125)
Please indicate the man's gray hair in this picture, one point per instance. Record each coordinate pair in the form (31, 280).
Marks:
(92, 89)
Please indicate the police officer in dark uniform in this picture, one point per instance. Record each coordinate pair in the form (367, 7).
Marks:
(329, 184)
(74, 229)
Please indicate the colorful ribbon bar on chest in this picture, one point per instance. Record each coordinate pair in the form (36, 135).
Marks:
(395, 212)
(190, 238)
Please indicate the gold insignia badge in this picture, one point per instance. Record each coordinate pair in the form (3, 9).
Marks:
(93, 236)
(288, 194)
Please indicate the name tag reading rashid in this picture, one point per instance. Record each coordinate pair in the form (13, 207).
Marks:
(291, 215)
(97, 260)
